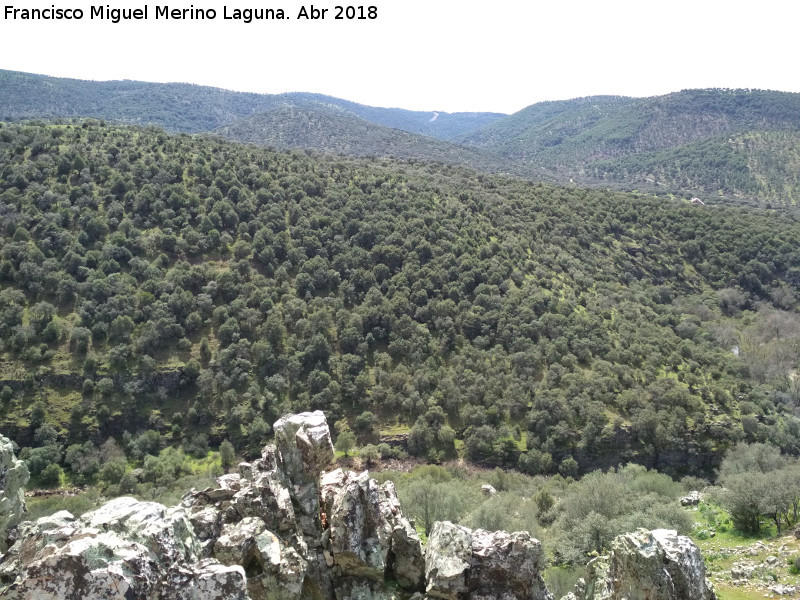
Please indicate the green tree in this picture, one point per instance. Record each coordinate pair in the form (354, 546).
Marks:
(345, 442)
(226, 455)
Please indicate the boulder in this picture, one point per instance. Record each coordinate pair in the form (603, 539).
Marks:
(691, 499)
(647, 565)
(304, 444)
(506, 565)
(367, 535)
(448, 557)
(488, 490)
(13, 477)
(461, 563)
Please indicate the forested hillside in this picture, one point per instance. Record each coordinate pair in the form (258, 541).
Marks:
(194, 108)
(189, 290)
(345, 134)
(733, 143)
(718, 144)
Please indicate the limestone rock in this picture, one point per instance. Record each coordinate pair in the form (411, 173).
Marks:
(368, 534)
(305, 446)
(488, 490)
(506, 565)
(13, 477)
(126, 549)
(691, 499)
(648, 565)
(461, 563)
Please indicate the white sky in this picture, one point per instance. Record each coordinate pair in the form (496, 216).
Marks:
(447, 55)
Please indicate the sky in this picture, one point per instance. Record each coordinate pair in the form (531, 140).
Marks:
(445, 55)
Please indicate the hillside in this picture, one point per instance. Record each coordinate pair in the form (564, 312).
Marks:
(194, 108)
(289, 127)
(733, 143)
(189, 290)
(718, 144)
(750, 164)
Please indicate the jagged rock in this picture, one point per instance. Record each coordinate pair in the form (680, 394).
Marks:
(273, 569)
(448, 556)
(506, 565)
(461, 563)
(692, 499)
(304, 449)
(368, 535)
(166, 532)
(274, 532)
(406, 553)
(236, 544)
(305, 446)
(647, 565)
(13, 477)
(126, 549)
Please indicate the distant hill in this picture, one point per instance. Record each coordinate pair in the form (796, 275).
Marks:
(193, 108)
(341, 132)
(686, 141)
(739, 145)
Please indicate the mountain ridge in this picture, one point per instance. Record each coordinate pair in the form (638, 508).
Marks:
(669, 144)
(214, 107)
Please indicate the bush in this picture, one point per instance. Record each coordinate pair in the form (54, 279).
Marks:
(111, 473)
(51, 475)
(370, 454)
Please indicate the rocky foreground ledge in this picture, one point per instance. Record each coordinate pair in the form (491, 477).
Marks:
(276, 530)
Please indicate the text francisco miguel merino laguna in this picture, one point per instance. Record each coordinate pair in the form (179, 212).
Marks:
(115, 15)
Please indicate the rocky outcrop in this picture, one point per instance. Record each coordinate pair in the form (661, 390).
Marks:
(461, 563)
(368, 537)
(647, 565)
(259, 534)
(13, 477)
(126, 549)
(275, 530)
(266, 517)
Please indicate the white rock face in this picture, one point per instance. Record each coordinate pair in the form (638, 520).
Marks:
(647, 565)
(13, 477)
(461, 563)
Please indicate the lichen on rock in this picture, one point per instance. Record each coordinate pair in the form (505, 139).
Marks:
(461, 563)
(13, 477)
(647, 565)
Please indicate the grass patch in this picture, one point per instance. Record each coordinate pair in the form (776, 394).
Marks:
(76, 504)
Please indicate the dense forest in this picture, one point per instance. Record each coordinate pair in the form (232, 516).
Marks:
(342, 133)
(174, 290)
(723, 145)
(716, 142)
(182, 107)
